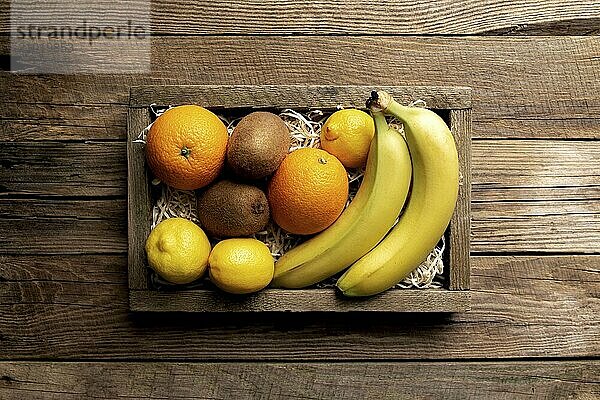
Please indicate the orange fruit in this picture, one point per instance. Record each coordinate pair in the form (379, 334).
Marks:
(308, 191)
(185, 147)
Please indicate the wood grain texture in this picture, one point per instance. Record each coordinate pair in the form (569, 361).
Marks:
(528, 195)
(542, 87)
(534, 226)
(460, 224)
(46, 226)
(521, 307)
(296, 96)
(488, 127)
(541, 204)
(415, 380)
(25, 122)
(139, 201)
(310, 300)
(528, 170)
(281, 17)
(108, 122)
(63, 169)
(83, 268)
(566, 27)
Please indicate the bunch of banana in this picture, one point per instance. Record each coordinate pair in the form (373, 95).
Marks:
(365, 221)
(429, 207)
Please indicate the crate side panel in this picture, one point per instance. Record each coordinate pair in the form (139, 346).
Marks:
(460, 225)
(139, 203)
(294, 96)
(306, 300)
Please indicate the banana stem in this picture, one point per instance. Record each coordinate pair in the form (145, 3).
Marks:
(383, 102)
(380, 122)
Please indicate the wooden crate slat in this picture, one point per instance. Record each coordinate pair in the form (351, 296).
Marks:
(460, 225)
(139, 202)
(305, 300)
(294, 96)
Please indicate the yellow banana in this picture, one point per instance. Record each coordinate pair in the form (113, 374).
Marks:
(365, 221)
(429, 207)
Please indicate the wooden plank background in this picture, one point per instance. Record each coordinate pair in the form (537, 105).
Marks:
(448, 380)
(354, 17)
(534, 328)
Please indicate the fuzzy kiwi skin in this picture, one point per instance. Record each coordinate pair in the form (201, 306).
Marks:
(258, 144)
(231, 209)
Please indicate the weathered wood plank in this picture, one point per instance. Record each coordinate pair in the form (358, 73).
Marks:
(139, 200)
(460, 224)
(521, 307)
(570, 109)
(524, 199)
(488, 127)
(448, 380)
(82, 268)
(309, 300)
(277, 17)
(295, 96)
(63, 169)
(23, 122)
(62, 227)
(526, 170)
(565, 226)
(16, 294)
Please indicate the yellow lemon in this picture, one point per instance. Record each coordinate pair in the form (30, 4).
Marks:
(241, 266)
(347, 134)
(178, 250)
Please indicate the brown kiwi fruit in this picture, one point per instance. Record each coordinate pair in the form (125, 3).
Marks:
(258, 144)
(231, 209)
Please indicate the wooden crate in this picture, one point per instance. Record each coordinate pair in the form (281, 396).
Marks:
(454, 103)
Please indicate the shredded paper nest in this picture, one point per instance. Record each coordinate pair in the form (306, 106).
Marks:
(305, 129)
